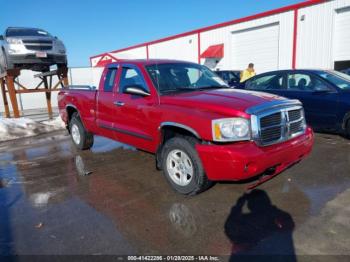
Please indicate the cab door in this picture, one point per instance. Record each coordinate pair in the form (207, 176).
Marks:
(134, 119)
(106, 96)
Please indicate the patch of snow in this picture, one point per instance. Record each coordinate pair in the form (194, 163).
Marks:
(56, 123)
(13, 128)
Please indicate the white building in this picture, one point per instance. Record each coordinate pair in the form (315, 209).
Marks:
(312, 34)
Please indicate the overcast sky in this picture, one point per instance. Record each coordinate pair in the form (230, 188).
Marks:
(90, 27)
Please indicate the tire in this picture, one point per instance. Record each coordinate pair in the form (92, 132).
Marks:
(347, 129)
(182, 166)
(3, 62)
(81, 138)
(7, 64)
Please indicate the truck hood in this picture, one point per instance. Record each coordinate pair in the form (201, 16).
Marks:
(224, 101)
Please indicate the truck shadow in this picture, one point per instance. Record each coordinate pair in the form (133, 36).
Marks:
(264, 232)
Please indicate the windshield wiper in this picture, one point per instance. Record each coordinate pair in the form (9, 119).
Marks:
(179, 90)
(191, 89)
(211, 87)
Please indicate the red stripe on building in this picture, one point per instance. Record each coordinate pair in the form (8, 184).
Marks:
(295, 39)
(199, 47)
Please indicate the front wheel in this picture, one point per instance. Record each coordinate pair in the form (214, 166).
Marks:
(182, 166)
(80, 137)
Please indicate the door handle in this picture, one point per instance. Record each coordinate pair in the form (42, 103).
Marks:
(119, 103)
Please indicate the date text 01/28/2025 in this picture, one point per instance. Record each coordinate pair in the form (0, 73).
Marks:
(173, 258)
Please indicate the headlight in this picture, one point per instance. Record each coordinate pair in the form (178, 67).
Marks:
(14, 41)
(231, 129)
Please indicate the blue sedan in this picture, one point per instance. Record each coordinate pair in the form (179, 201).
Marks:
(324, 94)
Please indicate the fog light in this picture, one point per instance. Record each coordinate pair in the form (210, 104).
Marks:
(13, 51)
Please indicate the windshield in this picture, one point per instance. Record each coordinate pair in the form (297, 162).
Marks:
(26, 32)
(339, 79)
(183, 77)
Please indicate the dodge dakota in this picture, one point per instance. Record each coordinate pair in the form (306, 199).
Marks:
(200, 130)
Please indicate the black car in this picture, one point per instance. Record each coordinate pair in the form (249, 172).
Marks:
(231, 77)
(324, 94)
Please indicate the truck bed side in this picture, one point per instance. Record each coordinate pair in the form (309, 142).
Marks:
(83, 101)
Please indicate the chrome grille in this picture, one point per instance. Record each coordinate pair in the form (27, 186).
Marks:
(296, 127)
(38, 45)
(271, 134)
(37, 42)
(270, 120)
(277, 123)
(294, 114)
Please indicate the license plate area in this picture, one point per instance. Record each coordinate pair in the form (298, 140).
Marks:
(41, 54)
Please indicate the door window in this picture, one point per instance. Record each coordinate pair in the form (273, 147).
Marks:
(131, 78)
(109, 80)
(305, 82)
(266, 82)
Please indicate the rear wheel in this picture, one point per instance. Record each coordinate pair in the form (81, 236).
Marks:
(80, 137)
(182, 166)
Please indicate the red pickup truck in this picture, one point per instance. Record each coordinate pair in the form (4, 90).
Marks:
(200, 130)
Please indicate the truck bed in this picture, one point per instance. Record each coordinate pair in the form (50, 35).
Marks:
(80, 97)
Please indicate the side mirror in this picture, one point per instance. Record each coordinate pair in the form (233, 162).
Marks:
(136, 90)
(1, 37)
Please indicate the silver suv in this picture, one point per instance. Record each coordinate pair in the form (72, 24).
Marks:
(30, 48)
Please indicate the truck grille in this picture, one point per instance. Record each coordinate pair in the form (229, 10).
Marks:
(279, 125)
(38, 45)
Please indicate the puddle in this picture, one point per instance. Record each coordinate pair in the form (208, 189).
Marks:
(103, 145)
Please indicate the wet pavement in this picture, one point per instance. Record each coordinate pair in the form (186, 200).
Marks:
(112, 200)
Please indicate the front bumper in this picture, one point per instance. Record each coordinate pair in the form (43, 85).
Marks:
(244, 160)
(32, 59)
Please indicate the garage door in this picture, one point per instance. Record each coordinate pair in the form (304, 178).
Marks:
(257, 45)
(342, 35)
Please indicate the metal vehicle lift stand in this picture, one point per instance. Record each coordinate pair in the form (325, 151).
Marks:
(10, 78)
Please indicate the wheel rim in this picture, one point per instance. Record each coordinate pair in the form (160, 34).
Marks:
(75, 134)
(179, 167)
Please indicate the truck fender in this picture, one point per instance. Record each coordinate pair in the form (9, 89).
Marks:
(185, 128)
(189, 129)
(76, 109)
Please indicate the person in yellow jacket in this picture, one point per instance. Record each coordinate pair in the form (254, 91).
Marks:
(248, 73)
